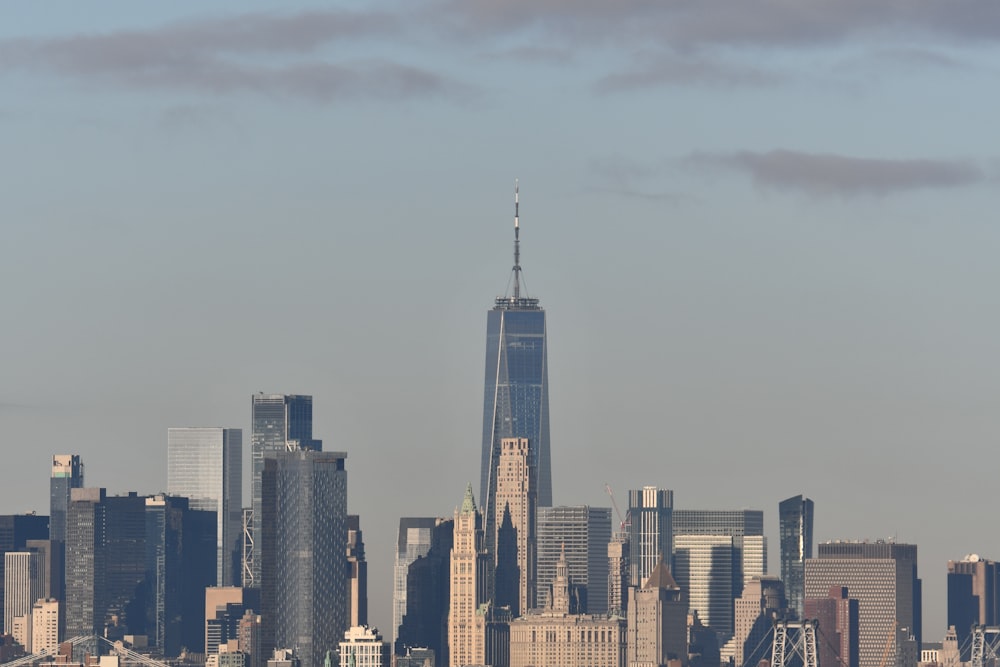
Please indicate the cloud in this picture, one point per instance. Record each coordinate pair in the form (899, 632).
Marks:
(222, 56)
(829, 174)
(672, 70)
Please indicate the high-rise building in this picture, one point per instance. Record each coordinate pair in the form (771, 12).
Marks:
(762, 601)
(973, 597)
(225, 607)
(67, 473)
(883, 577)
(304, 587)
(657, 621)
(585, 533)
(181, 558)
(795, 519)
(651, 531)
(363, 647)
(516, 397)
(413, 542)
(428, 597)
(15, 531)
(24, 584)
(703, 567)
(357, 572)
(105, 564)
(205, 465)
(837, 614)
(470, 586)
(281, 422)
(746, 527)
(45, 625)
(515, 500)
(618, 569)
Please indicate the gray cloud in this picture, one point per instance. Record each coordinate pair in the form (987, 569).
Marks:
(217, 56)
(672, 70)
(828, 174)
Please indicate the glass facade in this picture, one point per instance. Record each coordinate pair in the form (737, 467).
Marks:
(67, 473)
(204, 465)
(281, 422)
(584, 532)
(703, 566)
(795, 518)
(413, 542)
(516, 397)
(651, 530)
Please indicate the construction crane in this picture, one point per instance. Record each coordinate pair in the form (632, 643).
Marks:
(622, 522)
(889, 641)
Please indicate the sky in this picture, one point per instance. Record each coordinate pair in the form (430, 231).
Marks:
(761, 233)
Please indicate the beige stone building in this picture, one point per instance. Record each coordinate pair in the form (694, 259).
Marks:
(470, 586)
(554, 636)
(657, 621)
(515, 538)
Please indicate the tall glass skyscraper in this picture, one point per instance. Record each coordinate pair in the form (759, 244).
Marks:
(281, 423)
(795, 518)
(516, 396)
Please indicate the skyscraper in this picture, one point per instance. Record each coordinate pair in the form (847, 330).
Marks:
(516, 396)
(205, 465)
(304, 589)
(883, 577)
(746, 527)
(428, 596)
(650, 511)
(515, 499)
(67, 473)
(795, 517)
(657, 621)
(413, 541)
(703, 568)
(280, 423)
(973, 597)
(15, 531)
(837, 614)
(357, 572)
(24, 583)
(585, 533)
(470, 586)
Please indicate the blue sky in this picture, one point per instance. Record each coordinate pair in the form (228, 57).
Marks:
(763, 236)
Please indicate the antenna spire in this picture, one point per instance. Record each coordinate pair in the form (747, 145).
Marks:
(517, 247)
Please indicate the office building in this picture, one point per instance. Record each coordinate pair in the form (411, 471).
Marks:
(280, 423)
(838, 618)
(205, 465)
(556, 635)
(746, 527)
(585, 533)
(363, 647)
(651, 531)
(412, 542)
(24, 583)
(357, 572)
(618, 572)
(225, 608)
(304, 587)
(973, 597)
(67, 473)
(428, 597)
(882, 576)
(471, 567)
(105, 564)
(516, 395)
(181, 560)
(755, 610)
(515, 503)
(15, 531)
(249, 637)
(657, 621)
(795, 526)
(704, 569)
(45, 625)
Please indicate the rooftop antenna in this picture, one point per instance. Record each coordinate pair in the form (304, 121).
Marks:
(517, 248)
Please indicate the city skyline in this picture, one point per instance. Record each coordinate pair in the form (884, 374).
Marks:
(765, 250)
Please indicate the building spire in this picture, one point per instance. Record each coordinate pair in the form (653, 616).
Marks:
(517, 247)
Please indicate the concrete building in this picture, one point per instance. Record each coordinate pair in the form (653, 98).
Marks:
(471, 564)
(618, 569)
(838, 618)
(363, 647)
(657, 622)
(651, 530)
(45, 625)
(556, 636)
(413, 541)
(225, 608)
(704, 568)
(205, 465)
(357, 572)
(24, 584)
(746, 527)
(973, 597)
(516, 502)
(883, 578)
(15, 531)
(795, 528)
(585, 533)
(761, 602)
(304, 584)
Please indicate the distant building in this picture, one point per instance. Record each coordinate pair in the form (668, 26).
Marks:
(746, 527)
(704, 568)
(973, 597)
(657, 621)
(470, 586)
(838, 618)
(205, 465)
(585, 532)
(24, 583)
(650, 530)
(795, 526)
(618, 569)
(225, 609)
(363, 647)
(413, 542)
(416, 657)
(761, 602)
(15, 531)
(883, 577)
(357, 572)
(556, 636)
(67, 473)
(428, 597)
(45, 625)
(516, 502)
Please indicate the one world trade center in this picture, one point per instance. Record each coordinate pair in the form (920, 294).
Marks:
(516, 397)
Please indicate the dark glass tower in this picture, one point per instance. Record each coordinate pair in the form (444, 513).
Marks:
(516, 397)
(795, 517)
